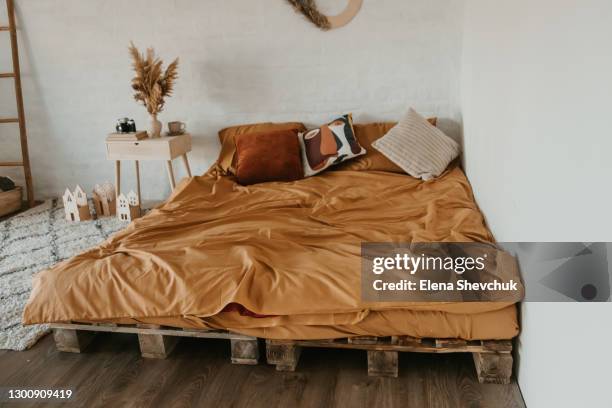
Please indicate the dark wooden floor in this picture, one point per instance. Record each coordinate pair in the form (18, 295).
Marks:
(198, 373)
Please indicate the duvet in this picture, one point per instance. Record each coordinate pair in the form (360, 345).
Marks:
(288, 253)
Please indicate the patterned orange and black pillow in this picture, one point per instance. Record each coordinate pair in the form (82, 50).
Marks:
(328, 145)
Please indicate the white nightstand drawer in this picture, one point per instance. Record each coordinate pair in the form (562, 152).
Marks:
(163, 148)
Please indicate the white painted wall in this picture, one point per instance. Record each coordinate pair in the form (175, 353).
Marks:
(537, 100)
(241, 61)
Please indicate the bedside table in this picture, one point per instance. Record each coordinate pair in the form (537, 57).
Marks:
(165, 148)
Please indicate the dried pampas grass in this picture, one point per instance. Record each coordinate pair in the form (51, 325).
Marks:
(309, 9)
(151, 83)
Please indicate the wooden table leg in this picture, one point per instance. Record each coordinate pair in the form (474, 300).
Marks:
(170, 174)
(117, 178)
(186, 162)
(138, 181)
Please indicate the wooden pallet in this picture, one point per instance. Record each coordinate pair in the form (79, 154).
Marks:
(155, 341)
(492, 358)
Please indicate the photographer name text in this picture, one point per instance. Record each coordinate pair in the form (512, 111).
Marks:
(427, 285)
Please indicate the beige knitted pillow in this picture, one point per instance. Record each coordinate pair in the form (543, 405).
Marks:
(416, 146)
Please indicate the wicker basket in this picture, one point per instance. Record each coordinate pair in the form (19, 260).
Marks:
(10, 201)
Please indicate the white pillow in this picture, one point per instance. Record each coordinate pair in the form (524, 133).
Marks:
(419, 148)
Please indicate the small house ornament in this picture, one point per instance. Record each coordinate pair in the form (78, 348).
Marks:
(104, 199)
(75, 205)
(128, 207)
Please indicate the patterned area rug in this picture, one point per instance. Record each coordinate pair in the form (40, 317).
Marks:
(33, 241)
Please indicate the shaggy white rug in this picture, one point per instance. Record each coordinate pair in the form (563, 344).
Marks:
(33, 241)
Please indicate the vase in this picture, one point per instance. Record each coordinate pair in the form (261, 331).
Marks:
(154, 127)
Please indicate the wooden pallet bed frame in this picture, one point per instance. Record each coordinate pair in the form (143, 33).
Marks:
(492, 358)
(155, 341)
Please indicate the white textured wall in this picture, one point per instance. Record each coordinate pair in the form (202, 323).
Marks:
(537, 101)
(241, 61)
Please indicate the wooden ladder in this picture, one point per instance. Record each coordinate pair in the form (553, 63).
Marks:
(20, 119)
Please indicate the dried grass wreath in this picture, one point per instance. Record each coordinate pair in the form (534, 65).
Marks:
(309, 9)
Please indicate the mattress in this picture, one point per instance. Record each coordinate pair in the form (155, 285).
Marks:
(497, 324)
(288, 253)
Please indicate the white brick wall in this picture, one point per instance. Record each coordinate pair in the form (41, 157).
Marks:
(241, 61)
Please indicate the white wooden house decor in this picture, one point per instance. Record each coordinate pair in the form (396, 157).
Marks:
(75, 205)
(128, 207)
(104, 199)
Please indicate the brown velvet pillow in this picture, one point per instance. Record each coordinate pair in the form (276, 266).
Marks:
(227, 137)
(268, 156)
(373, 160)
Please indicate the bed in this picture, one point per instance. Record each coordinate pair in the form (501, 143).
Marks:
(288, 253)
(277, 260)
